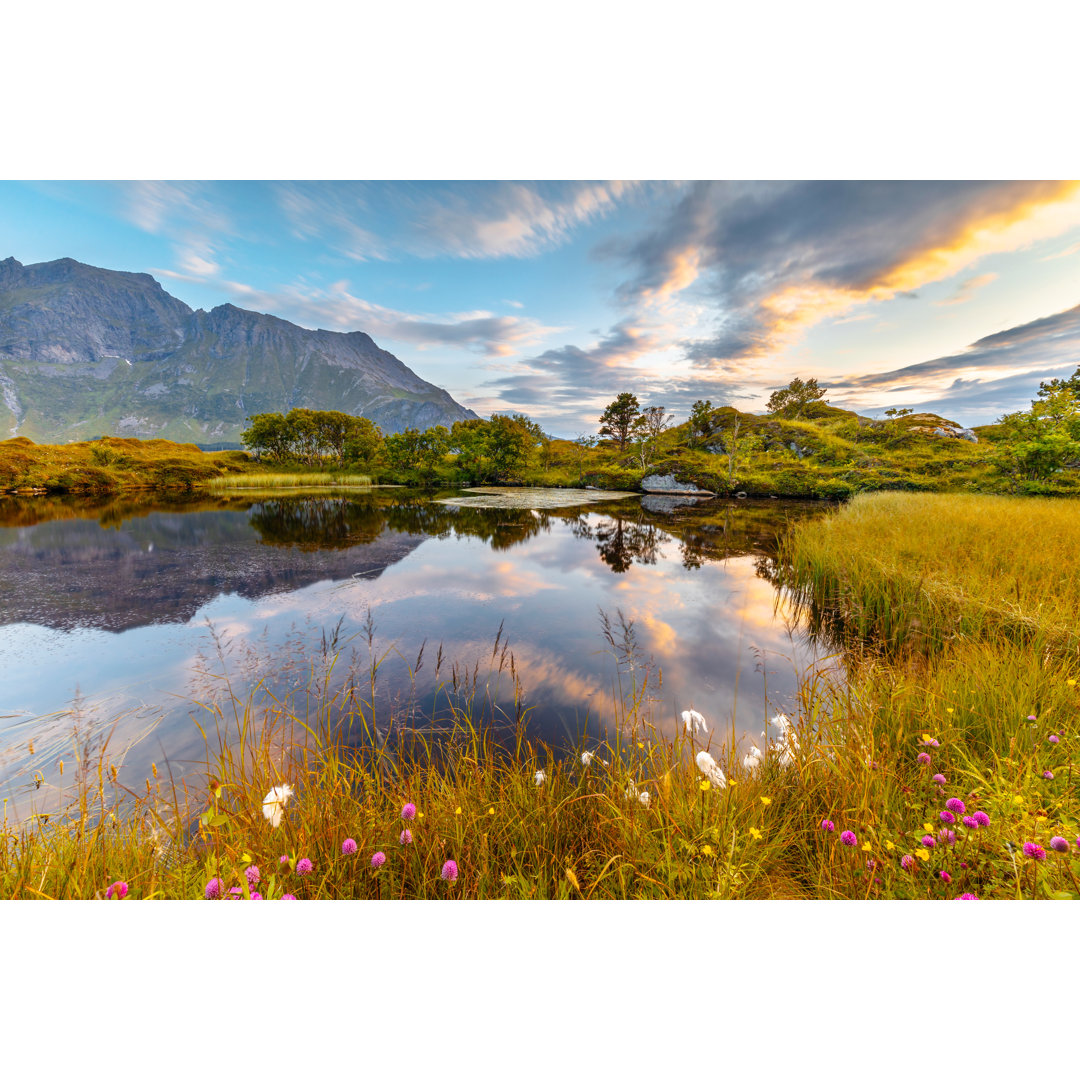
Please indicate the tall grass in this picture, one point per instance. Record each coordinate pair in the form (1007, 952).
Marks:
(918, 570)
(268, 480)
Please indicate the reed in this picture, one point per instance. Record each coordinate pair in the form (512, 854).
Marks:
(254, 481)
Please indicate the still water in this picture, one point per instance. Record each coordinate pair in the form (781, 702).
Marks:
(129, 620)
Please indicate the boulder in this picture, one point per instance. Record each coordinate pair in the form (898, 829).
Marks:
(666, 484)
(668, 504)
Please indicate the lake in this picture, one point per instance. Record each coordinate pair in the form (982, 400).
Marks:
(129, 620)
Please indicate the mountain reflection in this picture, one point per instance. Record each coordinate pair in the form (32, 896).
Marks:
(123, 563)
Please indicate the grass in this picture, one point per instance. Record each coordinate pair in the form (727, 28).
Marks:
(267, 480)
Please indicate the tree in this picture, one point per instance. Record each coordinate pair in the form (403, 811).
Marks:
(701, 419)
(268, 433)
(1042, 441)
(509, 440)
(893, 414)
(618, 418)
(793, 399)
(364, 440)
(645, 431)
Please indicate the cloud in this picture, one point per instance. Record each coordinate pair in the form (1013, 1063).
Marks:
(998, 373)
(967, 289)
(470, 220)
(335, 308)
(772, 259)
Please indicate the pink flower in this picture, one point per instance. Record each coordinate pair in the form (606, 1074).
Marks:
(253, 876)
(967, 896)
(378, 859)
(928, 841)
(947, 835)
(981, 818)
(304, 867)
(971, 823)
(871, 864)
(1053, 739)
(848, 838)
(1048, 775)
(1058, 843)
(408, 812)
(348, 846)
(946, 817)
(449, 870)
(938, 778)
(256, 896)
(405, 837)
(288, 896)
(119, 889)
(1033, 851)
(213, 888)
(923, 758)
(283, 860)
(907, 862)
(955, 805)
(827, 826)
(946, 877)
(1031, 718)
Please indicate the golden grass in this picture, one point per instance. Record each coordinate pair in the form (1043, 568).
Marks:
(261, 481)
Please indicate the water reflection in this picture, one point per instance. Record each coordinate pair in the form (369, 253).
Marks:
(137, 605)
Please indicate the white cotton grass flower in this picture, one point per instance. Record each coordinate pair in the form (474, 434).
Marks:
(586, 758)
(540, 777)
(273, 805)
(644, 798)
(631, 791)
(694, 722)
(753, 759)
(712, 772)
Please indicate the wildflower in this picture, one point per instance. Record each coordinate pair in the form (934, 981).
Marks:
(538, 778)
(907, 862)
(981, 818)
(449, 870)
(828, 826)
(256, 896)
(235, 893)
(928, 841)
(889, 845)
(274, 802)
(947, 835)
(947, 817)
(405, 837)
(348, 846)
(938, 778)
(1018, 800)
(694, 722)
(253, 876)
(871, 864)
(706, 849)
(283, 860)
(1070, 682)
(923, 758)
(586, 758)
(707, 765)
(377, 860)
(970, 822)
(1058, 843)
(119, 889)
(644, 798)
(866, 846)
(457, 811)
(967, 896)
(848, 838)
(1032, 718)
(945, 876)
(752, 760)
(765, 800)
(491, 810)
(288, 896)
(929, 740)
(408, 812)
(1033, 851)
(213, 889)
(955, 805)
(304, 867)
(1048, 775)
(755, 833)
(923, 854)
(1053, 739)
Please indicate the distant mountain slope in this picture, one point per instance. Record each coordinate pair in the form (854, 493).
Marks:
(86, 351)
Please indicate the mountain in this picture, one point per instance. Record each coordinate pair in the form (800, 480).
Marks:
(86, 351)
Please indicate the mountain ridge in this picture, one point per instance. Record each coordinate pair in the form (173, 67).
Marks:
(87, 351)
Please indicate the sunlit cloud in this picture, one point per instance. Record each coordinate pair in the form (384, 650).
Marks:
(967, 289)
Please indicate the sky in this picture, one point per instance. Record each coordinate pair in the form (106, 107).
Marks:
(550, 298)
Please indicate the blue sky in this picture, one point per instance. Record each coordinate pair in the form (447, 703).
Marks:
(552, 297)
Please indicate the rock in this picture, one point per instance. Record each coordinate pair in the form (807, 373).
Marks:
(740, 494)
(947, 433)
(668, 504)
(667, 484)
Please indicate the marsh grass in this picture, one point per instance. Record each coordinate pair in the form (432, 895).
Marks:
(271, 480)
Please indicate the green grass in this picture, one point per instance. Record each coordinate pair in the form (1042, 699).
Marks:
(264, 480)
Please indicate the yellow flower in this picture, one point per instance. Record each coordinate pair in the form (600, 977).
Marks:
(1018, 800)
(948, 710)
(420, 813)
(641, 746)
(1070, 682)
(889, 845)
(704, 785)
(755, 833)
(867, 847)
(927, 826)
(706, 850)
(765, 800)
(491, 809)
(923, 854)
(457, 812)
(927, 738)
(732, 783)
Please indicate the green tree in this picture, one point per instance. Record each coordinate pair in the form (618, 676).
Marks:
(701, 419)
(509, 439)
(618, 418)
(1042, 441)
(268, 435)
(364, 441)
(795, 398)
